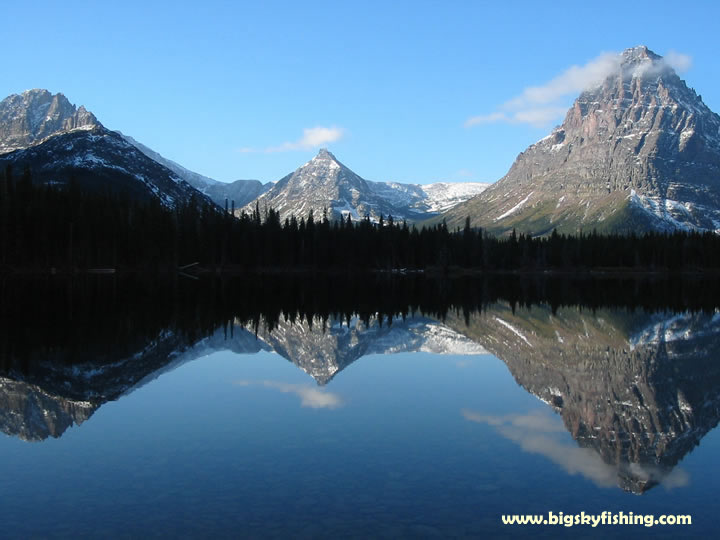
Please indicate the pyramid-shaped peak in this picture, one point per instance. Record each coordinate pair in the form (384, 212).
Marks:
(639, 54)
(324, 153)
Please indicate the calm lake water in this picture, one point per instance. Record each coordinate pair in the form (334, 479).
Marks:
(187, 410)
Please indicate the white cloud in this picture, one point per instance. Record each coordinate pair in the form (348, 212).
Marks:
(678, 61)
(540, 106)
(311, 138)
(535, 116)
(677, 478)
(464, 174)
(314, 398)
(572, 81)
(318, 136)
(486, 119)
(538, 116)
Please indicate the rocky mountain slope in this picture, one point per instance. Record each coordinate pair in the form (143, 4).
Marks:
(240, 191)
(641, 151)
(325, 183)
(33, 414)
(33, 116)
(57, 142)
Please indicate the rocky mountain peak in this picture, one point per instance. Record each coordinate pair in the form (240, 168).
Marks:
(325, 184)
(59, 142)
(639, 151)
(33, 116)
(324, 161)
(324, 153)
(637, 55)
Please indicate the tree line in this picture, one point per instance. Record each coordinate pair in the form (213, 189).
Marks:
(52, 320)
(68, 228)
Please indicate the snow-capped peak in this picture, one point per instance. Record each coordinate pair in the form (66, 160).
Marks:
(324, 154)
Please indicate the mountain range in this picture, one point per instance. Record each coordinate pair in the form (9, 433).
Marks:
(638, 151)
(58, 142)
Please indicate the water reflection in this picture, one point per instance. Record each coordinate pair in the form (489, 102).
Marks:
(314, 398)
(32, 414)
(636, 385)
(323, 348)
(537, 434)
(640, 390)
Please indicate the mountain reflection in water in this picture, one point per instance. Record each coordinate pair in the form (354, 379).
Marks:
(639, 389)
(628, 365)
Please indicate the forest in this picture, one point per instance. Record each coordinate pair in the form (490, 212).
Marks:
(68, 229)
(95, 318)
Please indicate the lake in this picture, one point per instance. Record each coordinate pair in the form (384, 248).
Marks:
(332, 407)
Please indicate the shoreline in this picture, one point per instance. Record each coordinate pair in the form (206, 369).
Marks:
(433, 272)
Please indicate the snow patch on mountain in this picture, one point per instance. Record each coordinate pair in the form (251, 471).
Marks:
(514, 330)
(675, 328)
(428, 198)
(442, 196)
(672, 215)
(515, 208)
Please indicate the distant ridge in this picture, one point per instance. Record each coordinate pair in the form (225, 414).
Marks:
(241, 192)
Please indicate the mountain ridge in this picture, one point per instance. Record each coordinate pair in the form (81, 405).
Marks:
(241, 192)
(99, 158)
(59, 143)
(324, 183)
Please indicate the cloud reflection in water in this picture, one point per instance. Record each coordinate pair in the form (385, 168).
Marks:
(314, 398)
(538, 433)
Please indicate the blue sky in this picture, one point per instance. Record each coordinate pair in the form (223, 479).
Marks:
(251, 90)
